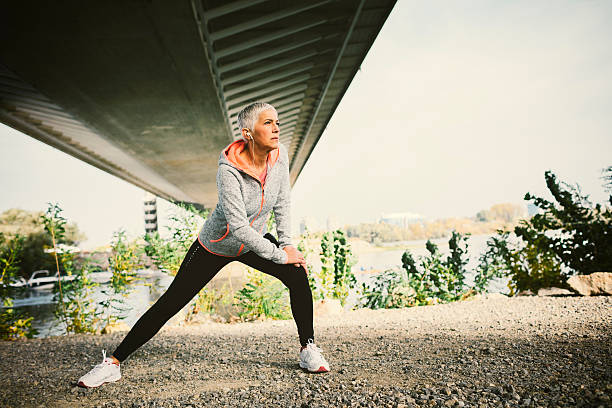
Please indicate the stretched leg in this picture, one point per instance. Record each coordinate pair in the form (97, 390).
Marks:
(197, 269)
(296, 280)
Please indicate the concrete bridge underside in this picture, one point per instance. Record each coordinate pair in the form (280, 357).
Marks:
(149, 90)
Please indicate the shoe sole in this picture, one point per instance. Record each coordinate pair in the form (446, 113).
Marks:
(321, 369)
(82, 384)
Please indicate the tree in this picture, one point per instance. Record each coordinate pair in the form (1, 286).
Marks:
(506, 212)
(29, 225)
(17, 221)
(607, 178)
(576, 231)
(13, 322)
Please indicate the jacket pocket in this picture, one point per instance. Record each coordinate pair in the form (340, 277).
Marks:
(224, 235)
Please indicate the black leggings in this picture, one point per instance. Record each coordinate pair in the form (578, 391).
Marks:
(197, 269)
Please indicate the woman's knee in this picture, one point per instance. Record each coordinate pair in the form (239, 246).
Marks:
(297, 278)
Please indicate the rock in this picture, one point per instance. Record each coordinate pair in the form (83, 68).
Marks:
(525, 292)
(115, 327)
(596, 283)
(487, 350)
(327, 307)
(450, 402)
(552, 291)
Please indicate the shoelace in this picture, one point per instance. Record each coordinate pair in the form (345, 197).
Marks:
(315, 352)
(315, 348)
(311, 345)
(102, 364)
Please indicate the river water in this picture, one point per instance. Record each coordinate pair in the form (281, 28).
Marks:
(152, 284)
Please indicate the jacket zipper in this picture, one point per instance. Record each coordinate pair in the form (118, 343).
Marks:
(260, 207)
(262, 201)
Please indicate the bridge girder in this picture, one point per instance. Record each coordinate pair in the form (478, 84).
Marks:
(149, 91)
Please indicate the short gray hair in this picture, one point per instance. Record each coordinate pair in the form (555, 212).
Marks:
(249, 114)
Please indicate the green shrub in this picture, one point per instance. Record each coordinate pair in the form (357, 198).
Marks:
(568, 236)
(10, 257)
(492, 263)
(125, 257)
(263, 296)
(448, 276)
(533, 269)
(168, 253)
(14, 324)
(79, 311)
(76, 307)
(577, 232)
(527, 265)
(335, 278)
(434, 280)
(390, 289)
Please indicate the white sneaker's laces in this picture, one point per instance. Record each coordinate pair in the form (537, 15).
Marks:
(312, 345)
(101, 366)
(315, 348)
(314, 351)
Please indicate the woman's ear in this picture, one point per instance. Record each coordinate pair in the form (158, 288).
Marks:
(246, 134)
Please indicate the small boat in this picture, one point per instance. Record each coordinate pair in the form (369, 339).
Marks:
(19, 283)
(44, 280)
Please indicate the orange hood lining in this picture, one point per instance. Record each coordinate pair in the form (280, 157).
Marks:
(232, 154)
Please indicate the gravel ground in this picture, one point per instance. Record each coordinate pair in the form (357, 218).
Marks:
(506, 352)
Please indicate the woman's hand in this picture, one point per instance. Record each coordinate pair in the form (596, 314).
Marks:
(295, 257)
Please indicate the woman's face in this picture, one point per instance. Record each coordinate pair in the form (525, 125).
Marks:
(266, 130)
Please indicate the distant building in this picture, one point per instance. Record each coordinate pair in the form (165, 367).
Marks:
(150, 213)
(401, 219)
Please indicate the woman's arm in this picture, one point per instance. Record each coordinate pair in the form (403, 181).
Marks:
(230, 198)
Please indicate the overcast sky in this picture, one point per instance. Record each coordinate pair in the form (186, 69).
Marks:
(456, 107)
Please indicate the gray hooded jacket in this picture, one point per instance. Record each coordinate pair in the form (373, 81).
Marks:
(239, 220)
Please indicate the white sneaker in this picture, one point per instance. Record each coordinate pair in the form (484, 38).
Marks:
(312, 360)
(105, 372)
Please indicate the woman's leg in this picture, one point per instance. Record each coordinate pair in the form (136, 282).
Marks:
(296, 280)
(197, 269)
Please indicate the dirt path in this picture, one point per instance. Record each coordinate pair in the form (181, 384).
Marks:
(525, 351)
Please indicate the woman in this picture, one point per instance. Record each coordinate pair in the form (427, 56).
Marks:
(252, 180)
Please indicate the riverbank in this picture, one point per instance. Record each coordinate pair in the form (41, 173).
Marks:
(522, 351)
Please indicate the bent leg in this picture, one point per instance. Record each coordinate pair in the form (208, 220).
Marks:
(197, 269)
(296, 281)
